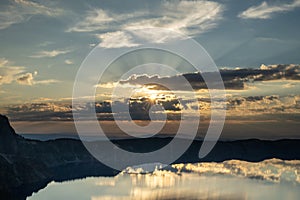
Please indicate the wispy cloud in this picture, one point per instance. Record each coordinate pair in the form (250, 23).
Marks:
(95, 20)
(28, 79)
(116, 39)
(3, 62)
(188, 17)
(45, 43)
(266, 10)
(22, 10)
(268, 39)
(49, 54)
(8, 72)
(46, 82)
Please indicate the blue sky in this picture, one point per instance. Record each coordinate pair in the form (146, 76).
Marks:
(44, 42)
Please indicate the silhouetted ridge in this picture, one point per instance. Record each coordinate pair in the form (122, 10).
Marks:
(9, 140)
(5, 127)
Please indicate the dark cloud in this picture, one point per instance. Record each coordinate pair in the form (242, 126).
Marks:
(142, 107)
(139, 110)
(40, 112)
(234, 79)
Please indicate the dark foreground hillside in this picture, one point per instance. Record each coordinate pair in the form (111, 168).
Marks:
(29, 165)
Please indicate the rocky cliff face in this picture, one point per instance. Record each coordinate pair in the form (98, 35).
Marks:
(9, 139)
(28, 165)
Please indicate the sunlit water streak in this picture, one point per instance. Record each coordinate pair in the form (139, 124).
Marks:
(270, 179)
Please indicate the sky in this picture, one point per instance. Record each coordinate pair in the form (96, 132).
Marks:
(43, 44)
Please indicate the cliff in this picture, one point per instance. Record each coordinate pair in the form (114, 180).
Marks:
(28, 165)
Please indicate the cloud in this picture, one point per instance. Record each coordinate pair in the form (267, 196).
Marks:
(28, 79)
(49, 54)
(25, 79)
(60, 111)
(98, 19)
(95, 19)
(116, 40)
(68, 62)
(3, 62)
(109, 85)
(253, 105)
(10, 73)
(46, 82)
(45, 43)
(266, 11)
(233, 79)
(188, 17)
(19, 11)
(39, 111)
(139, 108)
(269, 39)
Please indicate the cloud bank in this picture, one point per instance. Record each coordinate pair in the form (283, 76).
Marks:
(270, 106)
(233, 79)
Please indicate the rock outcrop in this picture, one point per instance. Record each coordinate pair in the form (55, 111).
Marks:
(28, 165)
